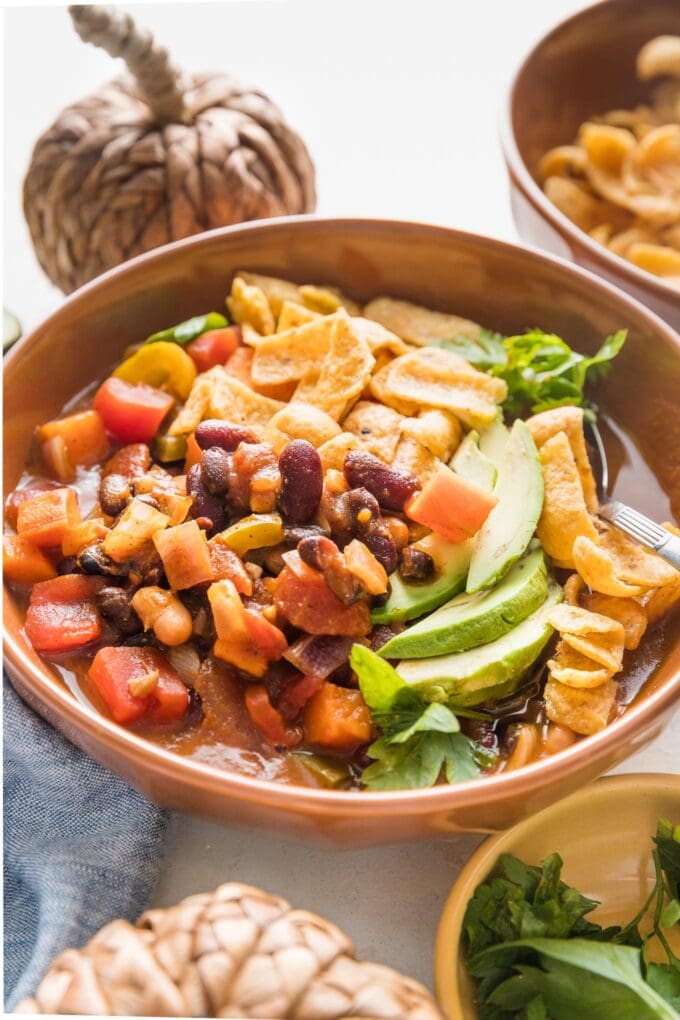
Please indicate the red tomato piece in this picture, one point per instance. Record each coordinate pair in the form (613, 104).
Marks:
(214, 347)
(269, 720)
(304, 598)
(450, 505)
(297, 693)
(62, 614)
(111, 672)
(132, 413)
(268, 640)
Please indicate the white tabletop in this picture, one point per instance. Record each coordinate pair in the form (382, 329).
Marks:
(399, 102)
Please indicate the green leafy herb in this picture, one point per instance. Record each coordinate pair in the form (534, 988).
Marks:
(537, 957)
(418, 740)
(184, 332)
(540, 369)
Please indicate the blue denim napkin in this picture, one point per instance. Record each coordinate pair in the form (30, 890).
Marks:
(81, 847)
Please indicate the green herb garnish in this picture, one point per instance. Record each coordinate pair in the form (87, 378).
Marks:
(418, 740)
(184, 332)
(537, 956)
(540, 369)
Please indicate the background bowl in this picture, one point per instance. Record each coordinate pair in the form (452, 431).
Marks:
(584, 66)
(507, 288)
(604, 835)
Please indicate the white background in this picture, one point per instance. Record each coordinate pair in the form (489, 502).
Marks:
(399, 103)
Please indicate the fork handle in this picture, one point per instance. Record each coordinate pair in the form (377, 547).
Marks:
(644, 530)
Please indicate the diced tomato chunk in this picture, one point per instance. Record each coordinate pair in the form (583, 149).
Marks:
(214, 347)
(131, 461)
(297, 693)
(62, 614)
(131, 412)
(450, 505)
(304, 598)
(44, 519)
(226, 564)
(267, 638)
(113, 669)
(338, 718)
(82, 433)
(268, 719)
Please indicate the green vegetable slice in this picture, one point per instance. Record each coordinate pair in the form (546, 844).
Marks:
(184, 332)
(167, 449)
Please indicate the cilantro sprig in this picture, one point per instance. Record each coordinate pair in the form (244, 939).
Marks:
(540, 369)
(419, 740)
(537, 957)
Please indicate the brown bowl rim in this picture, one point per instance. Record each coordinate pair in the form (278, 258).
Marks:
(519, 171)
(58, 698)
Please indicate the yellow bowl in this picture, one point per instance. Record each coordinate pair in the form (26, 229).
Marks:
(603, 833)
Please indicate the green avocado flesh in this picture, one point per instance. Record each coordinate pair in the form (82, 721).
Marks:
(510, 526)
(471, 620)
(410, 599)
(493, 441)
(492, 671)
(471, 464)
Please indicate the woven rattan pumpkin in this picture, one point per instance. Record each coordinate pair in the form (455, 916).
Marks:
(236, 952)
(154, 156)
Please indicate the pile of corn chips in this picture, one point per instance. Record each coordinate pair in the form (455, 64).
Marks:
(319, 368)
(617, 590)
(620, 182)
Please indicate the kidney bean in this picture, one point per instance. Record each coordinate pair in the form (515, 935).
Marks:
(292, 534)
(415, 564)
(114, 493)
(356, 514)
(391, 488)
(323, 555)
(301, 481)
(215, 465)
(224, 434)
(204, 504)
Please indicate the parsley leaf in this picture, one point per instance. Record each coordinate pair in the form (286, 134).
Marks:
(540, 369)
(185, 332)
(418, 740)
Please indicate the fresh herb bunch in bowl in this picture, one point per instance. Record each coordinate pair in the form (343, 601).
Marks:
(574, 912)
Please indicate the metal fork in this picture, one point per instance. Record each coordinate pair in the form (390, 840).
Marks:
(632, 522)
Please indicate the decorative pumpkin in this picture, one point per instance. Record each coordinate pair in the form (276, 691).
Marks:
(154, 156)
(236, 952)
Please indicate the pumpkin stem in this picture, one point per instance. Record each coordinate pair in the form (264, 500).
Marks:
(159, 81)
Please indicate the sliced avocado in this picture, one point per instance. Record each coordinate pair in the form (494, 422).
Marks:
(410, 599)
(470, 463)
(493, 441)
(489, 672)
(471, 620)
(509, 527)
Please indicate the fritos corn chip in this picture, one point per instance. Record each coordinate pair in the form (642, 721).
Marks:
(344, 372)
(412, 456)
(248, 303)
(598, 638)
(285, 357)
(569, 420)
(598, 570)
(216, 394)
(379, 339)
(434, 377)
(439, 431)
(376, 428)
(305, 421)
(293, 314)
(574, 669)
(585, 711)
(334, 451)
(564, 516)
(629, 613)
(633, 563)
(418, 325)
(326, 300)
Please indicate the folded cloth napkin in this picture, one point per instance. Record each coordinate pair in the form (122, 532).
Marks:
(81, 848)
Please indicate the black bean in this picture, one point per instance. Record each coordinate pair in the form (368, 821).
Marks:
(114, 493)
(391, 488)
(356, 514)
(294, 533)
(323, 555)
(68, 565)
(224, 434)
(94, 560)
(301, 481)
(415, 564)
(114, 605)
(204, 504)
(215, 470)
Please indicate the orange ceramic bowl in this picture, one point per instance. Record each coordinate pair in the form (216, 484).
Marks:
(504, 286)
(584, 66)
(604, 836)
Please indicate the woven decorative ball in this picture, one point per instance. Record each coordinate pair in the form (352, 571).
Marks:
(235, 952)
(154, 156)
